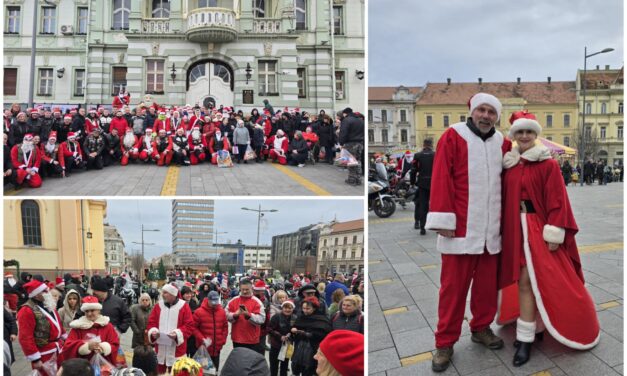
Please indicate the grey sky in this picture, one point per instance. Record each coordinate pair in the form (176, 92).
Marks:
(128, 215)
(415, 42)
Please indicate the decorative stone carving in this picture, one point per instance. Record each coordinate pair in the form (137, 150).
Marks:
(267, 48)
(210, 47)
(121, 58)
(14, 2)
(49, 2)
(155, 48)
(8, 59)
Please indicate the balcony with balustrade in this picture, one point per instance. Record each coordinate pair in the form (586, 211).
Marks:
(215, 25)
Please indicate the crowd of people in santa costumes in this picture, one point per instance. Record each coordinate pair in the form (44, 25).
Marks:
(505, 225)
(99, 137)
(76, 323)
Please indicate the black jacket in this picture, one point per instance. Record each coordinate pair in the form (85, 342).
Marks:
(280, 325)
(117, 311)
(326, 135)
(244, 361)
(422, 168)
(17, 132)
(354, 322)
(298, 145)
(351, 130)
(78, 124)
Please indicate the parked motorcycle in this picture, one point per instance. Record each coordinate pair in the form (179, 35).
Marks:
(403, 192)
(379, 198)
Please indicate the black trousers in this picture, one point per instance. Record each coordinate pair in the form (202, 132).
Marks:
(255, 347)
(109, 159)
(49, 169)
(95, 163)
(275, 363)
(181, 159)
(71, 164)
(421, 206)
(296, 159)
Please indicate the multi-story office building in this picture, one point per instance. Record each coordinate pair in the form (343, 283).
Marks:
(265, 257)
(193, 231)
(296, 252)
(341, 247)
(114, 250)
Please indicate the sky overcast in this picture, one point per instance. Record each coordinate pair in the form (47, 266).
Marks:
(128, 215)
(414, 42)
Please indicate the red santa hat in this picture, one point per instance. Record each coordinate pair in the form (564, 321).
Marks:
(485, 98)
(260, 285)
(521, 120)
(73, 110)
(162, 111)
(93, 109)
(349, 361)
(52, 135)
(68, 116)
(290, 302)
(71, 135)
(56, 110)
(171, 288)
(8, 275)
(34, 288)
(148, 130)
(28, 137)
(59, 282)
(89, 303)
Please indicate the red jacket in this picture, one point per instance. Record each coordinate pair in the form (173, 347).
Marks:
(76, 345)
(120, 124)
(160, 124)
(65, 151)
(155, 144)
(169, 123)
(33, 162)
(210, 322)
(212, 144)
(202, 142)
(91, 124)
(26, 329)
(244, 330)
(54, 156)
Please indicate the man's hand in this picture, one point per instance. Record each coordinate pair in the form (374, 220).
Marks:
(446, 233)
(38, 365)
(13, 337)
(55, 162)
(553, 246)
(172, 335)
(8, 172)
(294, 330)
(155, 336)
(93, 155)
(93, 346)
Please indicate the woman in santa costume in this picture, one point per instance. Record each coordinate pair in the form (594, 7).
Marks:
(91, 334)
(278, 147)
(540, 270)
(39, 326)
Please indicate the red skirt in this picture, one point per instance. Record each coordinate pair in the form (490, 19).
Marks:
(564, 303)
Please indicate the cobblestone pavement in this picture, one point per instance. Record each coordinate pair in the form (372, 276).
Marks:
(251, 179)
(404, 270)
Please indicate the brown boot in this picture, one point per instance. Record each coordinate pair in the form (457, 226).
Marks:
(487, 338)
(441, 359)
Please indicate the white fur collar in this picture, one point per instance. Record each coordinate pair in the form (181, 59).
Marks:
(535, 154)
(84, 323)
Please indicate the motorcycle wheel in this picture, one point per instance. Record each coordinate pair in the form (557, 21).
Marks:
(387, 209)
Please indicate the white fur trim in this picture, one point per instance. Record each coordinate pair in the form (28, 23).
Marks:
(41, 288)
(553, 234)
(524, 123)
(441, 221)
(33, 357)
(539, 302)
(84, 323)
(106, 348)
(511, 158)
(537, 153)
(152, 331)
(168, 322)
(179, 336)
(485, 98)
(88, 306)
(525, 331)
(170, 289)
(84, 349)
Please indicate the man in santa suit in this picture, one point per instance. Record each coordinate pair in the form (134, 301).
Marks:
(123, 99)
(218, 142)
(169, 325)
(278, 147)
(146, 151)
(52, 163)
(404, 164)
(180, 147)
(129, 146)
(72, 153)
(197, 145)
(26, 160)
(39, 327)
(163, 145)
(465, 211)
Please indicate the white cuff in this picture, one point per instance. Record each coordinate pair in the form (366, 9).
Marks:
(36, 169)
(33, 357)
(553, 234)
(84, 349)
(441, 221)
(179, 337)
(525, 331)
(106, 348)
(151, 331)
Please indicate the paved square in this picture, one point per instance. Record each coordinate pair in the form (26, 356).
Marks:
(404, 271)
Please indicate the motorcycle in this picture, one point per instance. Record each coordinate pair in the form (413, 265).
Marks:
(379, 198)
(403, 192)
(128, 294)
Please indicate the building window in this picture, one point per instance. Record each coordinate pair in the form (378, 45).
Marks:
(370, 116)
(354, 239)
(566, 141)
(353, 255)
(154, 76)
(403, 116)
(267, 78)
(429, 121)
(343, 254)
(10, 81)
(82, 21)
(370, 134)
(462, 118)
(13, 20)
(48, 20)
(404, 135)
(300, 12)
(45, 82)
(336, 240)
(550, 138)
(339, 84)
(31, 224)
(160, 8)
(604, 108)
(587, 132)
(566, 120)
(588, 108)
(259, 8)
(302, 82)
(207, 3)
(549, 121)
(345, 240)
(445, 121)
(79, 83)
(619, 135)
(121, 12)
(118, 79)
(335, 254)
(384, 135)
(384, 116)
(337, 21)
(603, 132)
(620, 107)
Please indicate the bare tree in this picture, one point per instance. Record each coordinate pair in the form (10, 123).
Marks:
(591, 145)
(137, 263)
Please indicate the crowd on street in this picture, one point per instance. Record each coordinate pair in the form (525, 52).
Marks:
(309, 325)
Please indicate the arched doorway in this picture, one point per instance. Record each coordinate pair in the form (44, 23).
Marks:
(210, 82)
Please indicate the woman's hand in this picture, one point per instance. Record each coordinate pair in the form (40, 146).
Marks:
(552, 246)
(93, 346)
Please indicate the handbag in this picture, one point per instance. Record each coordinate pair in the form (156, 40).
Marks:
(303, 354)
(235, 149)
(323, 153)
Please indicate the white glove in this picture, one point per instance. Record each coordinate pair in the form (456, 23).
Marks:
(207, 342)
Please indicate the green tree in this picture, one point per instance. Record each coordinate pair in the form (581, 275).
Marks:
(161, 270)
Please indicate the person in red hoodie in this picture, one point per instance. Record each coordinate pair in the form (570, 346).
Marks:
(119, 122)
(211, 326)
(246, 314)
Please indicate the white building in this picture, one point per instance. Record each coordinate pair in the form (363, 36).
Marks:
(341, 247)
(115, 260)
(250, 257)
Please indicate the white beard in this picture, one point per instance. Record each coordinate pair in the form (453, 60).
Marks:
(49, 302)
(50, 147)
(196, 134)
(129, 140)
(27, 147)
(218, 136)
(148, 142)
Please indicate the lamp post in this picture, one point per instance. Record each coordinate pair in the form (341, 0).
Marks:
(259, 215)
(582, 143)
(215, 242)
(141, 273)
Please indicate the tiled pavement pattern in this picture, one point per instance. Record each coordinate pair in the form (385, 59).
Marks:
(263, 179)
(404, 270)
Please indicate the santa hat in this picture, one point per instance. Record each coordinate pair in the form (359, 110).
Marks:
(101, 108)
(52, 135)
(162, 111)
(148, 129)
(28, 137)
(71, 135)
(485, 98)
(350, 360)
(89, 303)
(290, 302)
(59, 282)
(260, 285)
(73, 110)
(93, 109)
(171, 288)
(56, 110)
(521, 120)
(68, 116)
(35, 287)
(8, 275)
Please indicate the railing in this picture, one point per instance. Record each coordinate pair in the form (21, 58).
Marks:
(208, 17)
(267, 26)
(155, 25)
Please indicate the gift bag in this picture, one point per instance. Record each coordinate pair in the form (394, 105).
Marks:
(250, 154)
(101, 366)
(235, 149)
(290, 350)
(203, 358)
(323, 153)
(49, 368)
(346, 159)
(224, 159)
(120, 359)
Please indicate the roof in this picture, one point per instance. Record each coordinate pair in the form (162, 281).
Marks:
(357, 224)
(602, 79)
(533, 92)
(385, 93)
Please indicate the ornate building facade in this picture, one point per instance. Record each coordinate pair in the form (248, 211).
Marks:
(341, 247)
(115, 255)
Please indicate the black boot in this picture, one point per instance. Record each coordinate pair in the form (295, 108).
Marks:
(423, 231)
(416, 225)
(522, 353)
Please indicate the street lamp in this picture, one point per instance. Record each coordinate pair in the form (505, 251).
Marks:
(248, 72)
(141, 273)
(259, 215)
(215, 242)
(582, 141)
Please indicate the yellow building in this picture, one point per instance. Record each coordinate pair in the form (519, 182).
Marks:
(52, 237)
(554, 103)
(604, 113)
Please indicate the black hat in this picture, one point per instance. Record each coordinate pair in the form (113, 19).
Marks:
(347, 111)
(99, 284)
(185, 290)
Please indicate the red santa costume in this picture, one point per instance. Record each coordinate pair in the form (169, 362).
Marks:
(71, 149)
(278, 147)
(466, 199)
(50, 151)
(218, 142)
(26, 160)
(39, 327)
(163, 145)
(146, 149)
(85, 331)
(129, 145)
(123, 99)
(197, 146)
(91, 123)
(566, 308)
(174, 122)
(165, 319)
